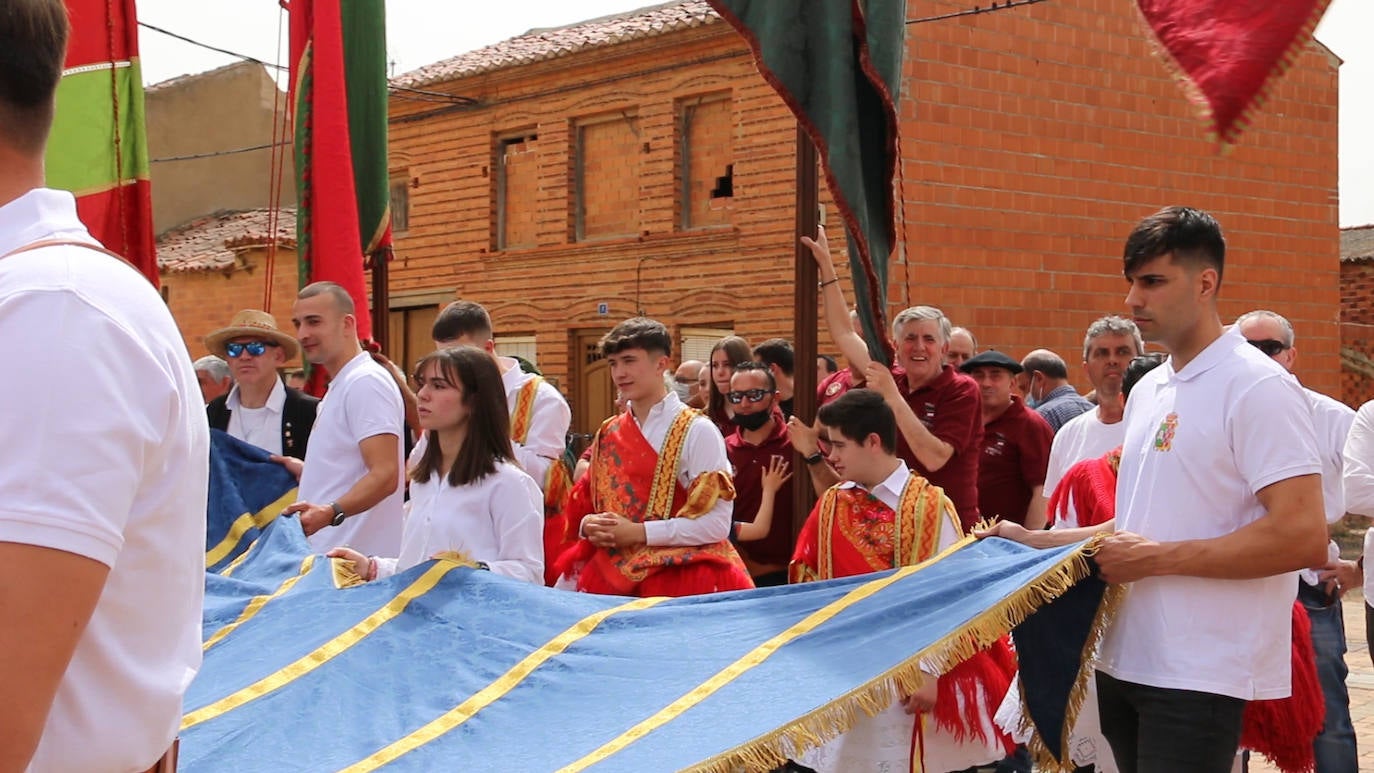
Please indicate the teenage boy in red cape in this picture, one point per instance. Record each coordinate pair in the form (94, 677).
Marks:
(653, 513)
(881, 517)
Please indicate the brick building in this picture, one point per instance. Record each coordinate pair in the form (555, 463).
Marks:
(211, 267)
(638, 162)
(1357, 315)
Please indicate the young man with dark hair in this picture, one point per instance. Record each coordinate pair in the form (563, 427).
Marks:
(777, 355)
(539, 417)
(654, 510)
(760, 436)
(103, 478)
(1215, 513)
(880, 517)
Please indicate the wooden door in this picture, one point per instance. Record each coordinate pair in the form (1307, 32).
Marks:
(594, 394)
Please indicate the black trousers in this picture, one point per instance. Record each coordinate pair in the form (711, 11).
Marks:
(1162, 730)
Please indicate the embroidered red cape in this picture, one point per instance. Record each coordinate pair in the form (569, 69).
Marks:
(628, 477)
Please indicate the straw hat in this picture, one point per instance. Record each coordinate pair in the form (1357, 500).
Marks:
(251, 322)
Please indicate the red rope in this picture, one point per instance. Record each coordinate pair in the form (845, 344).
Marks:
(118, 144)
(274, 182)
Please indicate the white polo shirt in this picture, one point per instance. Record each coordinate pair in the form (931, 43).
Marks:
(1085, 436)
(107, 457)
(1359, 483)
(1199, 444)
(1332, 419)
(259, 426)
(498, 520)
(363, 401)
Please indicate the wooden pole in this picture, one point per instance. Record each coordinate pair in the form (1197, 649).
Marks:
(381, 305)
(804, 325)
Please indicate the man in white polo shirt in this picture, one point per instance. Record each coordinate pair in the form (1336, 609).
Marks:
(1218, 505)
(350, 492)
(1108, 347)
(1320, 587)
(102, 475)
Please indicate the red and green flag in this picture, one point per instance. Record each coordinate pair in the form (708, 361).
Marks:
(98, 149)
(339, 98)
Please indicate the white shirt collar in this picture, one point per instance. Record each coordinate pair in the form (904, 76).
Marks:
(892, 484)
(511, 374)
(353, 364)
(276, 400)
(669, 404)
(42, 213)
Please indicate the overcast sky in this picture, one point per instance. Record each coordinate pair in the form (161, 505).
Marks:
(422, 31)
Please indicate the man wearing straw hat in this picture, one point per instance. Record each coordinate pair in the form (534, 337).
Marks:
(259, 408)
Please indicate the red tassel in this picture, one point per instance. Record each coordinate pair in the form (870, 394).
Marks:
(1283, 730)
(960, 704)
(1091, 486)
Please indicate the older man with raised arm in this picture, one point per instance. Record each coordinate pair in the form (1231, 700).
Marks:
(941, 429)
(104, 471)
(351, 483)
(1215, 514)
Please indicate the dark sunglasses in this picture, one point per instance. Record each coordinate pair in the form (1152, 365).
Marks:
(1269, 346)
(754, 395)
(1153, 358)
(255, 348)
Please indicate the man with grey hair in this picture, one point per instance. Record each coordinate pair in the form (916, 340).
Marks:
(939, 410)
(1046, 380)
(962, 346)
(1108, 347)
(1320, 588)
(214, 377)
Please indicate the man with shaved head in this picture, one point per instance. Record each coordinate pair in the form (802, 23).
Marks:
(1046, 380)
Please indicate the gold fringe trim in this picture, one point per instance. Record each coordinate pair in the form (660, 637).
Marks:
(838, 716)
(1045, 759)
(457, 557)
(343, 574)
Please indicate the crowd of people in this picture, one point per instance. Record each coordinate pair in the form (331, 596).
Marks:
(1209, 491)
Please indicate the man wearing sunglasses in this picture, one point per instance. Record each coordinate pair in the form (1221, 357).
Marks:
(1320, 588)
(259, 408)
(760, 435)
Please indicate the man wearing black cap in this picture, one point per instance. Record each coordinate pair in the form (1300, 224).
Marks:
(1015, 448)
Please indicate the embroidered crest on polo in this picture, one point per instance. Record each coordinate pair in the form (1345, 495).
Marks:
(833, 389)
(1164, 437)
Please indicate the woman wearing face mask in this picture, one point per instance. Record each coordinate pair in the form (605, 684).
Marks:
(725, 355)
(467, 494)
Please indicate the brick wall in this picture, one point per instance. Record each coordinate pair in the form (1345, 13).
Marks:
(1357, 332)
(1032, 141)
(204, 301)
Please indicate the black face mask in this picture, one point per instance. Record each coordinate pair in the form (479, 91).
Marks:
(751, 421)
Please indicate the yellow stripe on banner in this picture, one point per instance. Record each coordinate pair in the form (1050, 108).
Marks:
(323, 654)
(257, 603)
(746, 662)
(245, 522)
(497, 689)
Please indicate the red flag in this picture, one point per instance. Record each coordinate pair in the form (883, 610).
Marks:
(1229, 53)
(98, 148)
(328, 241)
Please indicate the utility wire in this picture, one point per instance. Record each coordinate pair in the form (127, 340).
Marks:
(214, 153)
(976, 10)
(171, 34)
(420, 95)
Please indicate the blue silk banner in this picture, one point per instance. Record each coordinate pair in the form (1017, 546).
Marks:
(447, 667)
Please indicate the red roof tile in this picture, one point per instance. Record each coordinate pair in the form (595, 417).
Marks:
(213, 242)
(541, 44)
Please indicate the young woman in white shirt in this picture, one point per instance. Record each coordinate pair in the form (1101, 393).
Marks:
(467, 494)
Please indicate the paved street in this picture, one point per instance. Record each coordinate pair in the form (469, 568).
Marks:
(1360, 682)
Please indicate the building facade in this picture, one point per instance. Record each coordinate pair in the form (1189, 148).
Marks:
(638, 163)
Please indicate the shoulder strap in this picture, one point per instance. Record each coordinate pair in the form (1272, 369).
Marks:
(665, 470)
(67, 243)
(825, 555)
(522, 413)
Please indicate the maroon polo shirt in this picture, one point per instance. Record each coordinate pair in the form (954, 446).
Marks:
(951, 407)
(749, 462)
(1016, 451)
(842, 381)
